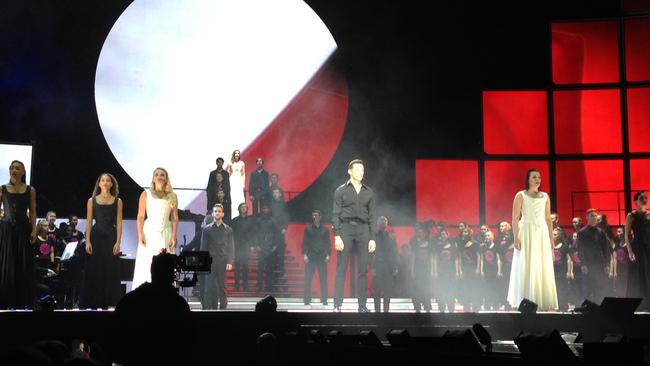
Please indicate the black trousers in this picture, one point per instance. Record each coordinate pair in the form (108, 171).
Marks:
(265, 269)
(355, 240)
(422, 291)
(214, 293)
(594, 284)
(257, 204)
(382, 287)
(241, 269)
(310, 267)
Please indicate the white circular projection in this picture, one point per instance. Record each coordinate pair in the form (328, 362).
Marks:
(181, 82)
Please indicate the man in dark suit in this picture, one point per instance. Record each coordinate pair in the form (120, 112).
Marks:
(594, 256)
(217, 238)
(316, 250)
(211, 189)
(242, 227)
(259, 187)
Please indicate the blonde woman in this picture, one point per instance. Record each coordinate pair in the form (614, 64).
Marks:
(159, 230)
(237, 170)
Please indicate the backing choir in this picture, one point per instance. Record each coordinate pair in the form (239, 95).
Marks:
(452, 266)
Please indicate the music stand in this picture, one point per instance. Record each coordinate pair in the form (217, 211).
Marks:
(68, 252)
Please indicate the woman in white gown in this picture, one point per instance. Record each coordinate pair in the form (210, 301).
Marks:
(532, 276)
(237, 170)
(159, 229)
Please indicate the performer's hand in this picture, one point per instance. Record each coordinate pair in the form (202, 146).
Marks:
(517, 244)
(630, 254)
(228, 267)
(116, 248)
(371, 246)
(284, 231)
(327, 259)
(89, 247)
(252, 197)
(33, 236)
(305, 258)
(172, 243)
(585, 269)
(338, 243)
(142, 240)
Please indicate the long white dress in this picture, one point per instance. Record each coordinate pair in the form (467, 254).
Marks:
(157, 233)
(237, 180)
(532, 275)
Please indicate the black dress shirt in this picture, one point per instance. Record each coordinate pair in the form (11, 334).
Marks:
(592, 245)
(259, 184)
(352, 206)
(218, 240)
(316, 244)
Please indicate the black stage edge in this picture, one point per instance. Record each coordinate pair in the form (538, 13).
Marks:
(236, 332)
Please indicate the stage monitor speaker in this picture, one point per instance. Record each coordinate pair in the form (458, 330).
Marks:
(619, 306)
(547, 346)
(368, 338)
(527, 307)
(398, 337)
(483, 336)
(461, 342)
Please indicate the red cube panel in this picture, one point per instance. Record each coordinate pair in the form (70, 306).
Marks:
(637, 49)
(447, 190)
(503, 179)
(638, 119)
(587, 121)
(515, 122)
(585, 52)
(639, 177)
(594, 183)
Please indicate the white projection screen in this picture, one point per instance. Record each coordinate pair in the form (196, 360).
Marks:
(181, 82)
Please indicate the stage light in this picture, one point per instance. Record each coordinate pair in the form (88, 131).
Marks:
(266, 305)
(527, 307)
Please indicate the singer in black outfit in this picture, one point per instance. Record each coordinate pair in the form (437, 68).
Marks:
(594, 252)
(352, 222)
(316, 250)
(217, 238)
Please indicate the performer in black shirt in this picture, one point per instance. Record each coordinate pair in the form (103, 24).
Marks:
(215, 184)
(242, 226)
(259, 187)
(316, 250)
(352, 221)
(593, 247)
(217, 238)
(266, 246)
(384, 266)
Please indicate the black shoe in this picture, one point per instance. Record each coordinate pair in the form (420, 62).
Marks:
(363, 309)
(325, 302)
(306, 302)
(337, 308)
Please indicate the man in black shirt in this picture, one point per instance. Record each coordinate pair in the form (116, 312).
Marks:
(266, 246)
(316, 250)
(241, 227)
(212, 187)
(594, 254)
(352, 221)
(217, 238)
(259, 187)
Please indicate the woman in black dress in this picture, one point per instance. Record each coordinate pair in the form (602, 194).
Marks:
(421, 269)
(17, 233)
(637, 228)
(101, 287)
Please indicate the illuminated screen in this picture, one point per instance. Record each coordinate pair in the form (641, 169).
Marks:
(515, 122)
(11, 152)
(638, 119)
(180, 83)
(637, 49)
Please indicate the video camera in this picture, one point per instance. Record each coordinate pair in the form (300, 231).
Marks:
(195, 262)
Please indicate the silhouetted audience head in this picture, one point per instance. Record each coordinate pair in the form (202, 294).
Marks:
(268, 304)
(163, 269)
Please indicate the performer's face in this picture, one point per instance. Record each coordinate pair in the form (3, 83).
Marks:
(260, 163)
(74, 221)
(243, 210)
(16, 171)
(315, 217)
(217, 213)
(592, 218)
(105, 182)
(356, 172)
(51, 218)
(534, 180)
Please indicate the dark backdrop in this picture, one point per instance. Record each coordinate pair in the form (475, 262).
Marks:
(415, 72)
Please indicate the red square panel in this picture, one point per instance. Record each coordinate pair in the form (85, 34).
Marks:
(515, 122)
(582, 184)
(587, 121)
(503, 179)
(446, 190)
(585, 52)
(639, 177)
(638, 119)
(637, 49)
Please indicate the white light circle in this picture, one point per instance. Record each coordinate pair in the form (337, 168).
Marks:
(179, 83)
